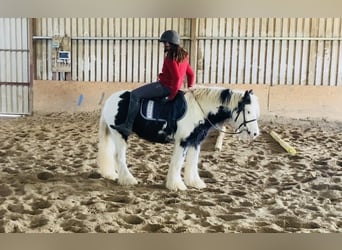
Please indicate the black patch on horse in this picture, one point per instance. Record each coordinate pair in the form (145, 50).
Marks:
(200, 132)
(225, 96)
(246, 99)
(157, 119)
(123, 108)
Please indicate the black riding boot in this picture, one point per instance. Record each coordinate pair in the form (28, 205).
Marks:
(133, 108)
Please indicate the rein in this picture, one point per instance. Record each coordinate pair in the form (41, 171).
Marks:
(238, 110)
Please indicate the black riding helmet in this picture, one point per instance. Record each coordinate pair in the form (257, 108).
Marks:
(170, 36)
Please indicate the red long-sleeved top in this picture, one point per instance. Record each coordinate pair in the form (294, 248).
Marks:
(173, 74)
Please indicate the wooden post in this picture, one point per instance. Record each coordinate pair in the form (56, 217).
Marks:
(193, 45)
(31, 64)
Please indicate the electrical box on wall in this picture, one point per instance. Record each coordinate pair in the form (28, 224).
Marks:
(55, 42)
(64, 57)
(61, 54)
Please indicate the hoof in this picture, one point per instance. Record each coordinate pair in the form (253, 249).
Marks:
(110, 176)
(175, 186)
(197, 183)
(128, 181)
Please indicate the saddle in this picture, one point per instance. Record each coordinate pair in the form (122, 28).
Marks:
(157, 119)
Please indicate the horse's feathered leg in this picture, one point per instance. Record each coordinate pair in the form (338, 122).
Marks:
(125, 176)
(105, 155)
(174, 180)
(191, 176)
(219, 140)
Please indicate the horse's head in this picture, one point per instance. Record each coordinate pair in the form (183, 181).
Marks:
(245, 116)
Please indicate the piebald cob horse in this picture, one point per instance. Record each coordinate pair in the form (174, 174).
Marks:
(197, 111)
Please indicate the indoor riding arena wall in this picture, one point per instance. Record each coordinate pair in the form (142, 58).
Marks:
(321, 102)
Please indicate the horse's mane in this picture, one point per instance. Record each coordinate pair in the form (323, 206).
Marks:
(218, 95)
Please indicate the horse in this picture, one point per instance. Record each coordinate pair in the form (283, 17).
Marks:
(204, 108)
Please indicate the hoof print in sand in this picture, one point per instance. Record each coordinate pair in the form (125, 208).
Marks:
(44, 176)
(75, 226)
(133, 219)
(40, 204)
(94, 175)
(231, 217)
(153, 228)
(38, 222)
(5, 190)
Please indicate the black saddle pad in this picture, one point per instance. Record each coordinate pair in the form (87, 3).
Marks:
(158, 110)
(157, 120)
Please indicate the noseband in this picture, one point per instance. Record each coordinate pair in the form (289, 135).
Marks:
(244, 123)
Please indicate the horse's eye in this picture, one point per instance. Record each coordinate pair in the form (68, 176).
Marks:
(248, 112)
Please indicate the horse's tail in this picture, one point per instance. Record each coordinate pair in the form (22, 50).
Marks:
(103, 128)
(106, 149)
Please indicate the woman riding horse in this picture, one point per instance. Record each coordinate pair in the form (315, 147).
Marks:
(175, 67)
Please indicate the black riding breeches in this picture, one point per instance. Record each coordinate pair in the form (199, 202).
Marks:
(151, 90)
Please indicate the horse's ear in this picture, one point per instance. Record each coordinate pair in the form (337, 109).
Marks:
(247, 97)
(250, 91)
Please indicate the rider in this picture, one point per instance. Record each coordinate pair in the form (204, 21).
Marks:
(175, 67)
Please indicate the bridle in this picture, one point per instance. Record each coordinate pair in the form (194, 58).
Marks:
(238, 110)
(244, 123)
(237, 131)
